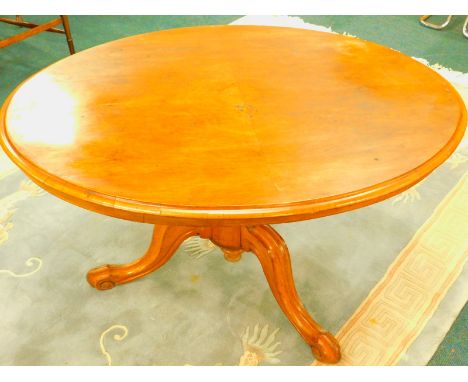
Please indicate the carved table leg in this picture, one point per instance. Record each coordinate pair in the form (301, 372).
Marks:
(273, 255)
(165, 241)
(263, 241)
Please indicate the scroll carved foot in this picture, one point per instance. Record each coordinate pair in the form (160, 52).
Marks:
(165, 241)
(273, 255)
(263, 241)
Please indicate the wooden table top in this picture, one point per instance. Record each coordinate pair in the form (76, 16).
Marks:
(231, 124)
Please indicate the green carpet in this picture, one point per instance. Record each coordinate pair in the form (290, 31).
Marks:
(447, 47)
(18, 61)
(453, 351)
(403, 33)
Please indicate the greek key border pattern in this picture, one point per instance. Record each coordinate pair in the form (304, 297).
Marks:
(397, 309)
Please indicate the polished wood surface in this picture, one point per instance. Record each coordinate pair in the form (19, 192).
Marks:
(263, 241)
(164, 243)
(273, 255)
(231, 125)
(219, 131)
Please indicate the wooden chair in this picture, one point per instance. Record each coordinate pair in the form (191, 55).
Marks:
(37, 28)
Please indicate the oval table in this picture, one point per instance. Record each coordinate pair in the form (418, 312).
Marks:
(219, 131)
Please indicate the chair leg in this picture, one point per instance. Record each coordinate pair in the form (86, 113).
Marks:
(427, 24)
(66, 28)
